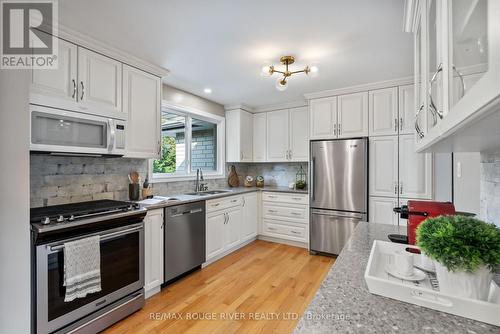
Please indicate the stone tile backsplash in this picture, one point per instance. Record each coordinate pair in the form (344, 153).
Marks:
(490, 187)
(60, 180)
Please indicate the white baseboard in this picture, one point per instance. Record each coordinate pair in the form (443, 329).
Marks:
(152, 291)
(284, 241)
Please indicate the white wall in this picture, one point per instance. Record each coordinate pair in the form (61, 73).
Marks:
(14, 203)
(185, 99)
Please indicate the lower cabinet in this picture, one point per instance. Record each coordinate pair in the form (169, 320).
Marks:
(230, 222)
(381, 210)
(153, 251)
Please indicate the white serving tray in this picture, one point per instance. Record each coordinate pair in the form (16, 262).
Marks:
(425, 293)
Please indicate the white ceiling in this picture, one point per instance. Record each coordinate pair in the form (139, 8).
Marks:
(222, 44)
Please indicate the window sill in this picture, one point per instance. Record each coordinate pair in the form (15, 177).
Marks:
(178, 178)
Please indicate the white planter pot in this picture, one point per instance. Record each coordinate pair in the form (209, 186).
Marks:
(468, 285)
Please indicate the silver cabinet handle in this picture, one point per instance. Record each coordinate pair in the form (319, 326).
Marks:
(74, 89)
(271, 228)
(295, 232)
(290, 155)
(335, 129)
(241, 155)
(244, 202)
(297, 198)
(420, 133)
(401, 123)
(396, 125)
(272, 211)
(234, 200)
(296, 214)
(225, 218)
(228, 218)
(395, 188)
(271, 196)
(215, 205)
(340, 129)
(432, 105)
(401, 188)
(83, 89)
(461, 77)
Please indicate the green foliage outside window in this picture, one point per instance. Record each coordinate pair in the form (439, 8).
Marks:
(166, 164)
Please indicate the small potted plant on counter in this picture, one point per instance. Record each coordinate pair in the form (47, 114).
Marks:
(466, 251)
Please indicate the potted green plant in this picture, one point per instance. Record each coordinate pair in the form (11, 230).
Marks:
(465, 250)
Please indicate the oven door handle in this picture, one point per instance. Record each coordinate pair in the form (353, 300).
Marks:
(104, 237)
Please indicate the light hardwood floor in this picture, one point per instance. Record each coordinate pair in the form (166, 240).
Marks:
(262, 280)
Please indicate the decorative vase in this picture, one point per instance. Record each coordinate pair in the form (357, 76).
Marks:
(232, 178)
(474, 285)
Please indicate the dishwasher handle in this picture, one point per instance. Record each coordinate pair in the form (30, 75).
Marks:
(187, 212)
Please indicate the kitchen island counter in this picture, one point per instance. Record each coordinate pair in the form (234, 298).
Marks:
(343, 303)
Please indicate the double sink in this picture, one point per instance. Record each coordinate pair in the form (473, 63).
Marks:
(208, 193)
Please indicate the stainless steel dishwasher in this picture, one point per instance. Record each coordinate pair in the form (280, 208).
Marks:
(184, 238)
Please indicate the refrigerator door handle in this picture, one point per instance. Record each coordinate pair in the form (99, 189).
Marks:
(312, 178)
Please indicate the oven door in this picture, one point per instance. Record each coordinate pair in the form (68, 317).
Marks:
(62, 131)
(122, 273)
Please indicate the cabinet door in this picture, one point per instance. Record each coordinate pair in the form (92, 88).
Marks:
(384, 166)
(141, 102)
(381, 210)
(215, 229)
(277, 135)
(249, 226)
(323, 118)
(299, 134)
(232, 228)
(233, 151)
(407, 109)
(415, 170)
(57, 87)
(352, 115)
(100, 84)
(246, 131)
(153, 249)
(259, 137)
(383, 112)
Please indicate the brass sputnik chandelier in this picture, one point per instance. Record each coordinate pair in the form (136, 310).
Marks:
(281, 83)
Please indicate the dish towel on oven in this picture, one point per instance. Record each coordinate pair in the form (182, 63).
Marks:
(82, 267)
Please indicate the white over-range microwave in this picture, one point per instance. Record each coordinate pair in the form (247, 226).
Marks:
(63, 132)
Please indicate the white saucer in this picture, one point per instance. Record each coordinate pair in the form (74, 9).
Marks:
(418, 275)
(427, 269)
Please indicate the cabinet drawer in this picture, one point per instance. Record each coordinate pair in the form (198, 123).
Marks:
(285, 198)
(280, 229)
(224, 203)
(274, 211)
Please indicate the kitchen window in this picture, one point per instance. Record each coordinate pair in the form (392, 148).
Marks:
(191, 140)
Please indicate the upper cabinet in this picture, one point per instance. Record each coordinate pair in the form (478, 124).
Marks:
(323, 118)
(259, 137)
(99, 83)
(352, 115)
(239, 133)
(288, 135)
(457, 74)
(141, 103)
(344, 116)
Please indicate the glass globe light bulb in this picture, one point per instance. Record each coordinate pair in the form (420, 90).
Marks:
(313, 71)
(281, 84)
(266, 70)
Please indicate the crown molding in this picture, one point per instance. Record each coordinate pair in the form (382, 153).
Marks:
(361, 88)
(239, 106)
(83, 40)
(280, 106)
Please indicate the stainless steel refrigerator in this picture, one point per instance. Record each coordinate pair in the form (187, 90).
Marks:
(338, 192)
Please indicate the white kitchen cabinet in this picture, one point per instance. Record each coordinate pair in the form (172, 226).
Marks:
(216, 223)
(415, 170)
(259, 137)
(383, 112)
(352, 115)
(407, 109)
(142, 104)
(99, 84)
(323, 118)
(232, 229)
(57, 87)
(239, 133)
(278, 133)
(153, 251)
(383, 166)
(381, 210)
(299, 134)
(250, 218)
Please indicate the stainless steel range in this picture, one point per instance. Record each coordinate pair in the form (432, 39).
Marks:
(121, 231)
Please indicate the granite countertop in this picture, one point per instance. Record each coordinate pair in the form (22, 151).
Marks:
(343, 303)
(184, 199)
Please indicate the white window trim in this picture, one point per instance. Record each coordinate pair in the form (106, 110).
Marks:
(221, 146)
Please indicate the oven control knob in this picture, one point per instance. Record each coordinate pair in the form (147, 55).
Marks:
(71, 218)
(60, 219)
(46, 221)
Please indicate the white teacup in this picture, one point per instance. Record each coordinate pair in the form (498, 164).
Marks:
(403, 262)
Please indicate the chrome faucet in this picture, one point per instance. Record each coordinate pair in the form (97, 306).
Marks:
(199, 185)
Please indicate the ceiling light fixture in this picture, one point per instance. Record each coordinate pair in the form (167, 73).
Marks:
(281, 83)
(207, 91)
